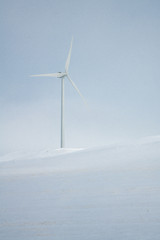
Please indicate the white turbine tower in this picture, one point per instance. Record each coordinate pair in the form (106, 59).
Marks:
(62, 75)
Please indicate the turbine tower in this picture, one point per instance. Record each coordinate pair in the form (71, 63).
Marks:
(62, 75)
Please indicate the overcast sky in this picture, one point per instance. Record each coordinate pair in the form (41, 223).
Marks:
(114, 62)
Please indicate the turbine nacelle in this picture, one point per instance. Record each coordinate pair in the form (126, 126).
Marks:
(61, 74)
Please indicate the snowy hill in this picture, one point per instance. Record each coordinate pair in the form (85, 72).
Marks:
(102, 193)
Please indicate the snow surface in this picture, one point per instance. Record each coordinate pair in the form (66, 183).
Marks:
(102, 193)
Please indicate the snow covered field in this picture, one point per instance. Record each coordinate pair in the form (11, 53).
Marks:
(102, 193)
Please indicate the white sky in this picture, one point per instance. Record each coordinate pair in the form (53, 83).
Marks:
(114, 62)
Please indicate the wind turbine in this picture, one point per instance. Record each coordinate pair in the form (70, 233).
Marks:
(62, 75)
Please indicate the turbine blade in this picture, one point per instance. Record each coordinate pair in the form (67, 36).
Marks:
(69, 57)
(46, 75)
(75, 87)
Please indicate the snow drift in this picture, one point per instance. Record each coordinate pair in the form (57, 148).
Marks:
(105, 193)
